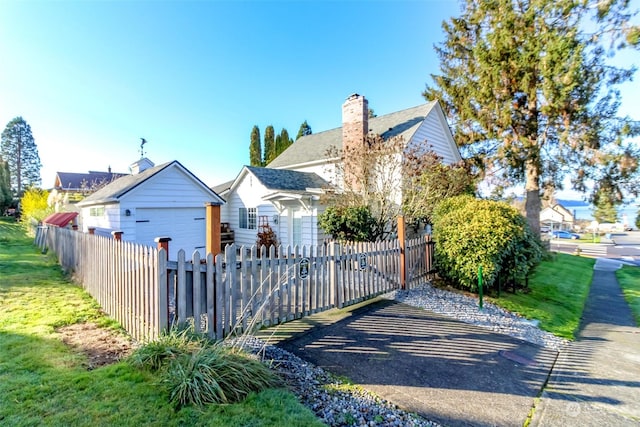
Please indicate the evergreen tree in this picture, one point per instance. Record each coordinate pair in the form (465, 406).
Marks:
(528, 91)
(255, 148)
(19, 149)
(6, 196)
(605, 201)
(282, 142)
(304, 130)
(269, 145)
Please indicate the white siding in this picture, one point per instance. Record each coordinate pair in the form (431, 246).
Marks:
(434, 131)
(171, 187)
(185, 226)
(248, 194)
(104, 224)
(326, 171)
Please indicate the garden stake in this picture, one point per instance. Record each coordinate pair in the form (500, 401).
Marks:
(480, 285)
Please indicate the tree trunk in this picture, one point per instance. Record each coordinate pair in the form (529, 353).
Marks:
(532, 202)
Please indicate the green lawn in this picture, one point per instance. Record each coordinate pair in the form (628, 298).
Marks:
(42, 382)
(629, 279)
(558, 290)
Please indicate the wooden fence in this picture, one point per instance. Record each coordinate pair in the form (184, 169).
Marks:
(122, 277)
(235, 291)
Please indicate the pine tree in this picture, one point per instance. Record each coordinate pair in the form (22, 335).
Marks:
(282, 142)
(269, 145)
(605, 201)
(528, 91)
(19, 149)
(304, 130)
(255, 148)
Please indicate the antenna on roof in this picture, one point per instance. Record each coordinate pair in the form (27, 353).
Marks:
(142, 142)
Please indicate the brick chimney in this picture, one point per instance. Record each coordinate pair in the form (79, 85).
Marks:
(355, 127)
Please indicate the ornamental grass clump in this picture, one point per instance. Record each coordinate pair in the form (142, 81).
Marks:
(473, 233)
(197, 371)
(216, 374)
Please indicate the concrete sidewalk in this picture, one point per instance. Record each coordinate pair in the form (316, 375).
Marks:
(596, 381)
(448, 371)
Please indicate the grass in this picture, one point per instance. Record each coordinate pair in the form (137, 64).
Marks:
(43, 382)
(558, 290)
(629, 279)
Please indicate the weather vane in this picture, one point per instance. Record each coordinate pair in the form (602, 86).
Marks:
(142, 142)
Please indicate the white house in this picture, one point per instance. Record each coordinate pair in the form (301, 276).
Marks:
(292, 211)
(556, 217)
(154, 201)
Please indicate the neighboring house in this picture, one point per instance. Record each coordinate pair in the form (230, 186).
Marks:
(556, 217)
(154, 201)
(423, 126)
(70, 187)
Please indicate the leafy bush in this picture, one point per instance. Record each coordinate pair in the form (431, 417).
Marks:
(470, 233)
(348, 223)
(34, 206)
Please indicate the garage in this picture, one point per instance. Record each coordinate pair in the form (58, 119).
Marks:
(185, 226)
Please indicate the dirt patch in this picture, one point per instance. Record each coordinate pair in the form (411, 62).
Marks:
(101, 346)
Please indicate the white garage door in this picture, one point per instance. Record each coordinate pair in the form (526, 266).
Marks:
(185, 226)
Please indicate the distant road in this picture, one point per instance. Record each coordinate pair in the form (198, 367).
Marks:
(624, 246)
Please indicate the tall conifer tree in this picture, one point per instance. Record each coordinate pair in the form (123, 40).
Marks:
(529, 94)
(269, 145)
(255, 148)
(19, 149)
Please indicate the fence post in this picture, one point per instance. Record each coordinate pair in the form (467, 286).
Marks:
(92, 230)
(213, 237)
(335, 274)
(402, 232)
(117, 235)
(162, 243)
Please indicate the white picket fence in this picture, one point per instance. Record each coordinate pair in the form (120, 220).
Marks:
(234, 292)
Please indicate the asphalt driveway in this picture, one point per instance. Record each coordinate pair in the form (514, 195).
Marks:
(448, 371)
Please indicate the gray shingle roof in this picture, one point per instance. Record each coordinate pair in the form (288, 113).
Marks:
(76, 181)
(287, 180)
(315, 147)
(121, 186)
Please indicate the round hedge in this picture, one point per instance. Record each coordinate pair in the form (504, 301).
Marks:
(471, 232)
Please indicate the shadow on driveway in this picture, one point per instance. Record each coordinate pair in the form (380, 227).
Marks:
(448, 371)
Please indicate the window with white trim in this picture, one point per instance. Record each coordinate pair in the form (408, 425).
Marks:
(99, 211)
(248, 218)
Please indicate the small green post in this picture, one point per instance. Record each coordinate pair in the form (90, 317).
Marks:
(480, 285)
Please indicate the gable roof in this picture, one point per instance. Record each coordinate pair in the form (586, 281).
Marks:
(72, 181)
(118, 188)
(315, 147)
(279, 180)
(287, 180)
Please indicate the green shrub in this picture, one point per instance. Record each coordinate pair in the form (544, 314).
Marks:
(470, 233)
(348, 223)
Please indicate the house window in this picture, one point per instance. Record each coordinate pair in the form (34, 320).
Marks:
(248, 218)
(96, 211)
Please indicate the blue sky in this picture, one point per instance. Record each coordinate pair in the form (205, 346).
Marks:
(193, 78)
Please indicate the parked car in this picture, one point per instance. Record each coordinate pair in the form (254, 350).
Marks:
(561, 234)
